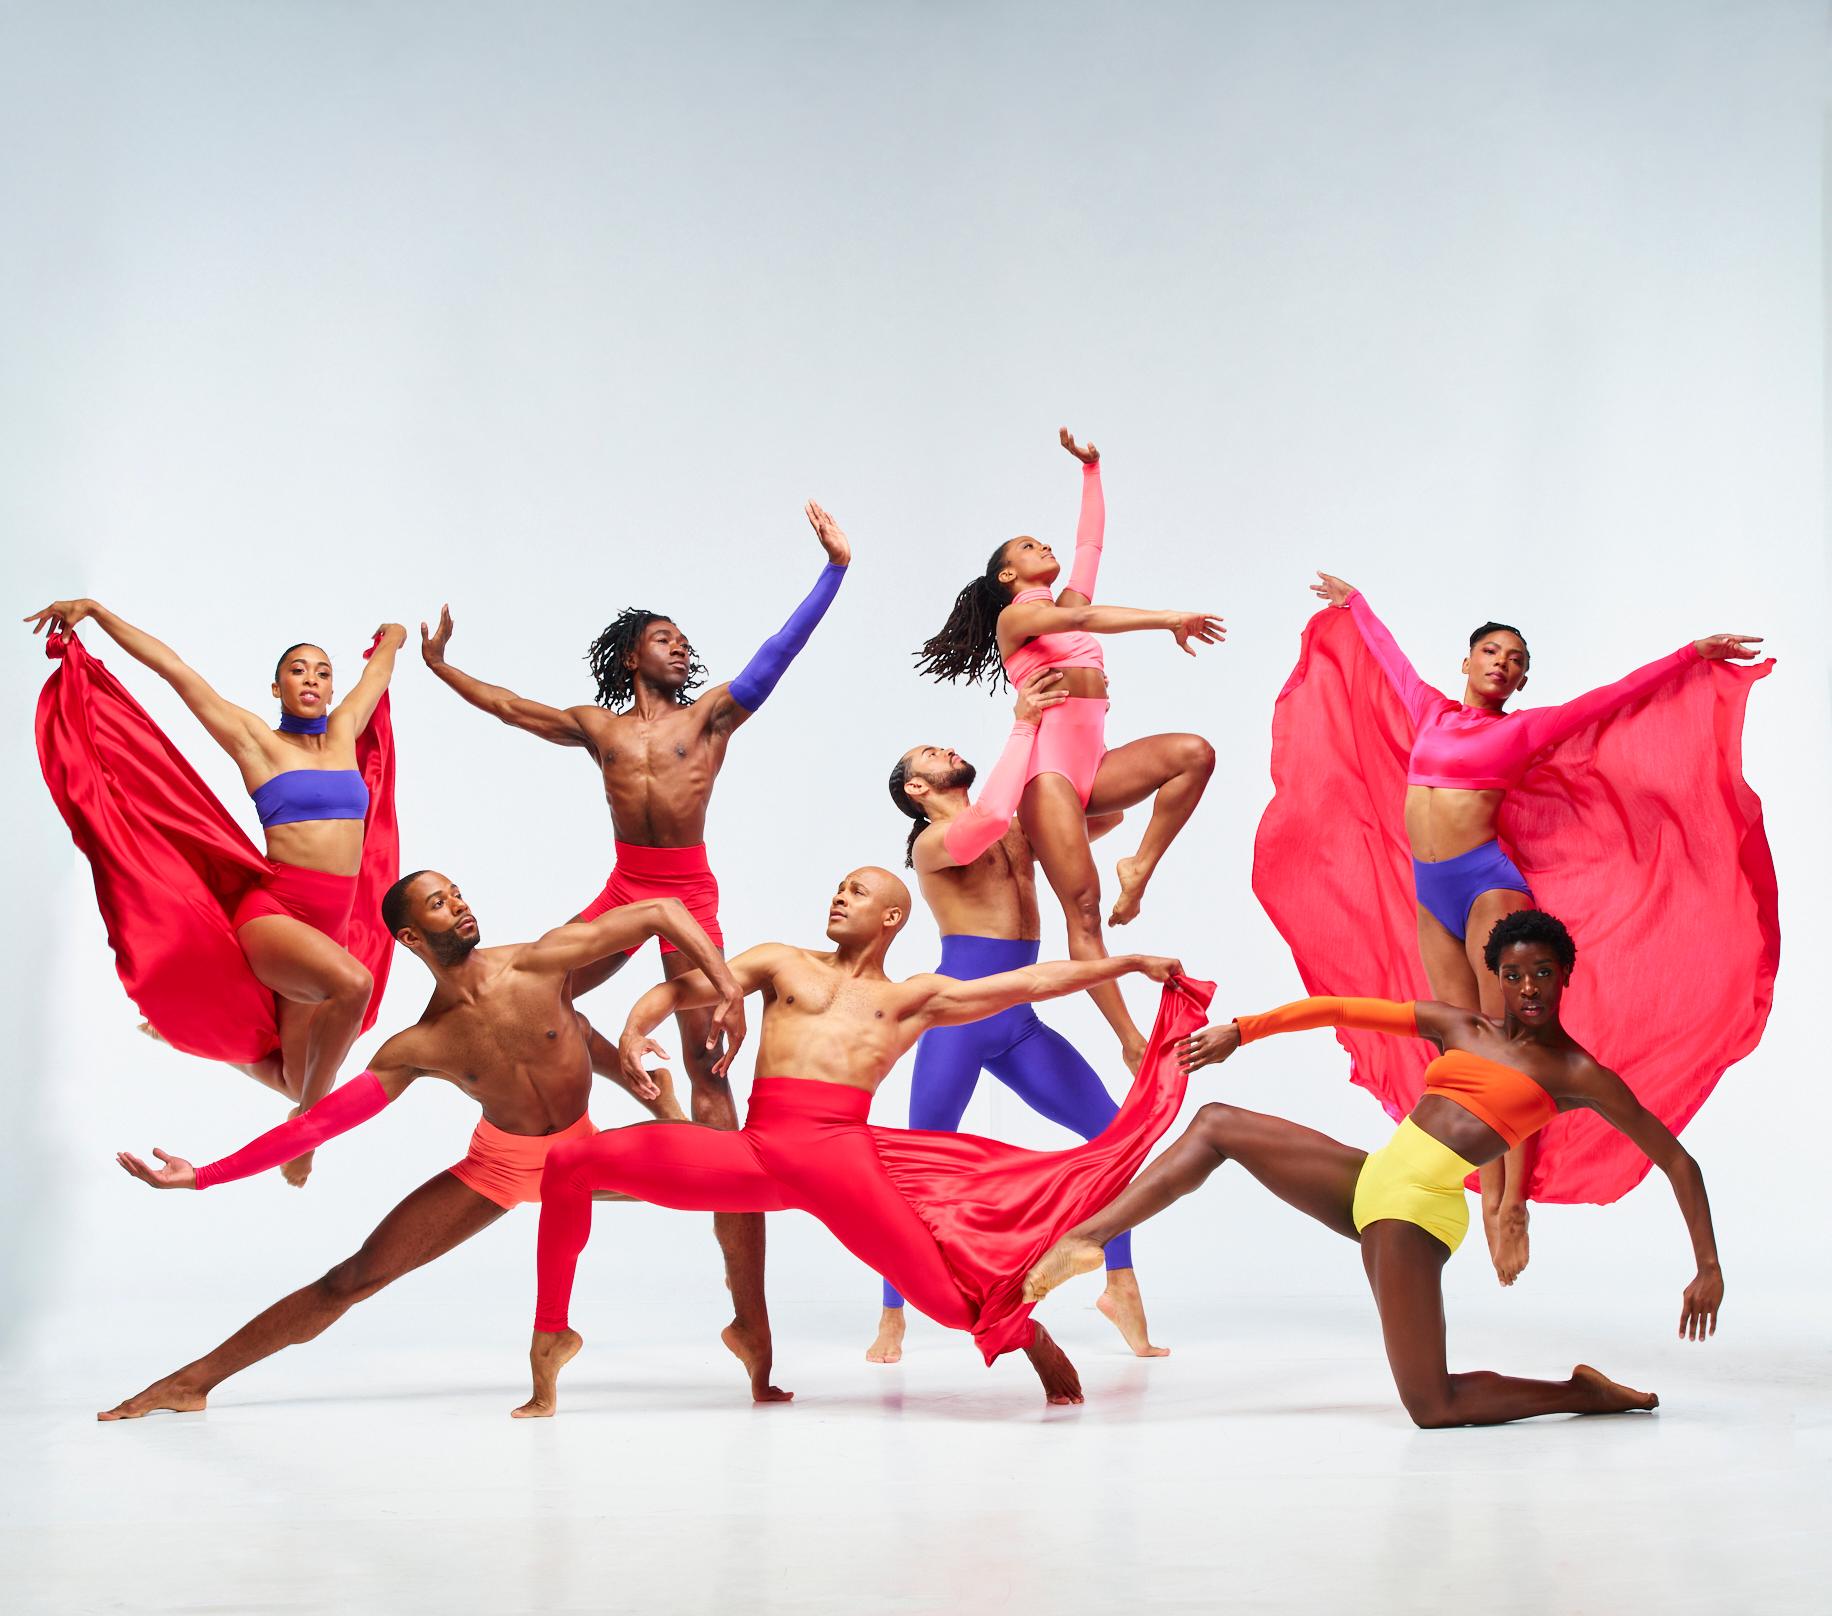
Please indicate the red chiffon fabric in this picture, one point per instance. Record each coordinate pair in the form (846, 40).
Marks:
(1639, 833)
(170, 864)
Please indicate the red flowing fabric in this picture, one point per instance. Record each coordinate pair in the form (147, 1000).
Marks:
(995, 1208)
(1639, 833)
(170, 864)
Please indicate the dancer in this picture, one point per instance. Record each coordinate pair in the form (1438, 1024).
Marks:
(1493, 1084)
(938, 1214)
(1624, 809)
(976, 871)
(501, 1027)
(658, 751)
(1006, 623)
(272, 965)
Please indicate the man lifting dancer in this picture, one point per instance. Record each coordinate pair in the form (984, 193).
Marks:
(500, 1025)
(659, 751)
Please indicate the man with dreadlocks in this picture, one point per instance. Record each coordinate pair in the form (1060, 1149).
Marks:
(977, 872)
(659, 751)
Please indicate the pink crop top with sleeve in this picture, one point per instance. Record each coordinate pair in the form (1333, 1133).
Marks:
(1476, 749)
(1072, 648)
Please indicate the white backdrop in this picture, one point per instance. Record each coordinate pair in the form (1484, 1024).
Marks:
(320, 316)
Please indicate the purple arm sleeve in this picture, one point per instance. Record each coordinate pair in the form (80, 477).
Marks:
(1417, 696)
(1090, 531)
(987, 820)
(342, 1109)
(1541, 726)
(752, 687)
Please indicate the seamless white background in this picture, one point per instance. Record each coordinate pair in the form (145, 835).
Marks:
(319, 316)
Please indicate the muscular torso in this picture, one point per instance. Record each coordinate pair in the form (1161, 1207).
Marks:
(1442, 823)
(659, 771)
(332, 845)
(830, 1025)
(994, 896)
(1559, 1071)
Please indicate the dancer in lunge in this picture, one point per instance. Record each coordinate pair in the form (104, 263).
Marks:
(1007, 624)
(274, 965)
(1624, 810)
(501, 1027)
(937, 1214)
(1495, 1083)
(976, 870)
(658, 751)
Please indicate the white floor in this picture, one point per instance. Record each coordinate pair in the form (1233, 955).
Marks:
(1264, 1466)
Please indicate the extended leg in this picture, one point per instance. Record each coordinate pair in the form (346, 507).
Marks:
(1177, 769)
(439, 1215)
(1405, 1268)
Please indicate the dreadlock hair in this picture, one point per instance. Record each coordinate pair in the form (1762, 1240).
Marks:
(394, 902)
(1506, 628)
(1529, 926)
(605, 657)
(899, 776)
(286, 655)
(967, 646)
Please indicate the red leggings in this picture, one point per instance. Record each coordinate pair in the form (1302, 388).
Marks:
(806, 1146)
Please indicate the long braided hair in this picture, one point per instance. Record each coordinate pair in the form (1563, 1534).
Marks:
(606, 658)
(899, 778)
(967, 645)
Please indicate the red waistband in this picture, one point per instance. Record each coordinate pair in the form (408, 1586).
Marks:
(635, 860)
(528, 1148)
(810, 1096)
(301, 875)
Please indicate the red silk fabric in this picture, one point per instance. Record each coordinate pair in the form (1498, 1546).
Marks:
(1638, 832)
(170, 864)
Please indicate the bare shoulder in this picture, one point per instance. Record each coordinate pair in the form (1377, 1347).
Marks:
(1584, 1077)
(595, 722)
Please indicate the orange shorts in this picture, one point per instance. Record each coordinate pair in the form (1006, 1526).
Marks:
(506, 1167)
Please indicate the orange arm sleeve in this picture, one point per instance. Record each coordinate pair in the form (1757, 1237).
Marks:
(1371, 1015)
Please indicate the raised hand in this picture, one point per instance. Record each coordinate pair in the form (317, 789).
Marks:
(1159, 968)
(1209, 1047)
(393, 635)
(175, 1174)
(833, 541)
(432, 646)
(1699, 1307)
(59, 615)
(1038, 693)
(1332, 591)
(1087, 456)
(1187, 626)
(1728, 647)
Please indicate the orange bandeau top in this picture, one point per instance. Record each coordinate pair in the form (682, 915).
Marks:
(1508, 1100)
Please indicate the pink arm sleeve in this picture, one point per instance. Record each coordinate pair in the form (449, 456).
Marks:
(1418, 697)
(985, 821)
(342, 1109)
(1090, 531)
(1539, 727)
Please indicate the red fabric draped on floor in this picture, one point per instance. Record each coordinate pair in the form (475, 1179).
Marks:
(1639, 833)
(169, 863)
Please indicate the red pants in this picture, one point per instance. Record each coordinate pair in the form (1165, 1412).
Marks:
(662, 872)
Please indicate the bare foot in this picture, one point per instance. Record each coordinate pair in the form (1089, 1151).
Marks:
(1608, 1396)
(1132, 877)
(665, 1106)
(1070, 1256)
(153, 1033)
(1060, 1382)
(1509, 1244)
(755, 1356)
(1123, 1305)
(168, 1394)
(548, 1353)
(298, 1170)
(888, 1348)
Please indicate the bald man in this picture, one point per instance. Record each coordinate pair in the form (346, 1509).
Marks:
(936, 1213)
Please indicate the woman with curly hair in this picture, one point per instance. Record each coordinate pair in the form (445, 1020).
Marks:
(1007, 625)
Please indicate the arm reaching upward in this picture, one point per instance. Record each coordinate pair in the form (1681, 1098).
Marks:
(353, 713)
(559, 725)
(1417, 697)
(764, 671)
(1090, 531)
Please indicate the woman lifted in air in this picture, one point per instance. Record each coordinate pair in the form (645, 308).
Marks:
(1008, 625)
(1493, 1084)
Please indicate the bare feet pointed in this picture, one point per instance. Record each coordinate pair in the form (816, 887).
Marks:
(1061, 1384)
(1607, 1396)
(888, 1348)
(1132, 877)
(755, 1354)
(1070, 1256)
(1125, 1309)
(548, 1353)
(170, 1395)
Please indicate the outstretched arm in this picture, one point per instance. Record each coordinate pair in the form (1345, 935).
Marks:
(237, 731)
(347, 1106)
(1026, 620)
(943, 1001)
(1542, 726)
(1417, 697)
(1400, 1019)
(1090, 531)
(559, 725)
(356, 709)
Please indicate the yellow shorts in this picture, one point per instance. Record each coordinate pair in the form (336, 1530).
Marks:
(1417, 1180)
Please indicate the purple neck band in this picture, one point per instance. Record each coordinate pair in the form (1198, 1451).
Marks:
(303, 726)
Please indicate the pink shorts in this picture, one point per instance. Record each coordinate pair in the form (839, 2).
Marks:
(662, 872)
(1071, 741)
(322, 900)
(506, 1167)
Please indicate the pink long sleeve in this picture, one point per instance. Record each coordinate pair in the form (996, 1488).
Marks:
(1542, 726)
(344, 1108)
(1090, 532)
(986, 820)
(1418, 697)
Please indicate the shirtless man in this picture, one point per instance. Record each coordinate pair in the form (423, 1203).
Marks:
(931, 1212)
(974, 864)
(500, 1025)
(659, 751)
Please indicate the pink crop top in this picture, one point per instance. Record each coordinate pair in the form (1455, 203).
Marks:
(1072, 648)
(1474, 749)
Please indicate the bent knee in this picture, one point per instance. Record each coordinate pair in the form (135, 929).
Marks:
(1081, 906)
(1195, 755)
(1217, 1120)
(352, 981)
(1431, 1410)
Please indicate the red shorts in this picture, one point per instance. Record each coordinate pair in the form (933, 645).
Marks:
(506, 1167)
(322, 900)
(662, 872)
